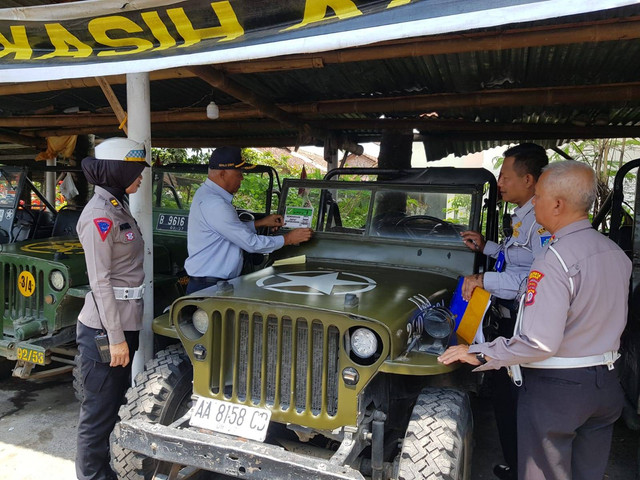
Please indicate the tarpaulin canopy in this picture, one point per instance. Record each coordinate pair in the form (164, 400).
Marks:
(99, 37)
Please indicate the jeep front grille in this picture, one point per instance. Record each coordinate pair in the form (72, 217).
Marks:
(17, 306)
(281, 363)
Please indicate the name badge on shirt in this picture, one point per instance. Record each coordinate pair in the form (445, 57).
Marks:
(500, 262)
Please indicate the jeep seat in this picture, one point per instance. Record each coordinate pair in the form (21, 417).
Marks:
(66, 220)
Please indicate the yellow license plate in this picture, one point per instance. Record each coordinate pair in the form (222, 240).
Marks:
(31, 355)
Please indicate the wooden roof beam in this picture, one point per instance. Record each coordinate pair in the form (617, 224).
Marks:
(25, 140)
(548, 96)
(219, 80)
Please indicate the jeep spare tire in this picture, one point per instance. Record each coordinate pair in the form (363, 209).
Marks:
(162, 395)
(437, 443)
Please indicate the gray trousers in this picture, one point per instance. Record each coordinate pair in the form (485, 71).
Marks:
(565, 422)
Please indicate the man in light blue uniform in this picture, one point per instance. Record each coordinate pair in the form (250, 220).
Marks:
(520, 171)
(216, 237)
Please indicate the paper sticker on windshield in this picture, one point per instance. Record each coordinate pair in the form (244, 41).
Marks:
(298, 217)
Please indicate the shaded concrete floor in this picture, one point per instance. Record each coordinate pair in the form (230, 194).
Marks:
(38, 426)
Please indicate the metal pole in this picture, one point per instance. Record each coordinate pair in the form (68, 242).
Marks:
(50, 183)
(139, 121)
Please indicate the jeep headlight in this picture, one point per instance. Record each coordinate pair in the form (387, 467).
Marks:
(364, 343)
(200, 320)
(56, 280)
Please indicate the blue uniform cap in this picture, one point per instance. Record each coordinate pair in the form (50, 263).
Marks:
(228, 158)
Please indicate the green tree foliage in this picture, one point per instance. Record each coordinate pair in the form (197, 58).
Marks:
(606, 156)
(166, 156)
(252, 194)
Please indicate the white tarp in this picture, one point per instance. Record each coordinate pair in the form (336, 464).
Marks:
(102, 37)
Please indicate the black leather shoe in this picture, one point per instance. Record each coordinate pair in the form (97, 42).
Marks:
(504, 472)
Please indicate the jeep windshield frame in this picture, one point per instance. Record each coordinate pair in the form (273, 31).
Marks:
(479, 184)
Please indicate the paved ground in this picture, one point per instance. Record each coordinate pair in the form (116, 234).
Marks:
(38, 422)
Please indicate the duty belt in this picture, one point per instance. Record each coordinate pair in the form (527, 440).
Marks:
(128, 293)
(607, 359)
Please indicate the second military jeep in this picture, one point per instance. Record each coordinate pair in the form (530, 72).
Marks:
(324, 364)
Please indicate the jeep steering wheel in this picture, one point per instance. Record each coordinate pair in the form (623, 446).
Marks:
(415, 233)
(246, 215)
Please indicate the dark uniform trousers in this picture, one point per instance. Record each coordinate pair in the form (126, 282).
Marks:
(104, 389)
(565, 422)
(504, 395)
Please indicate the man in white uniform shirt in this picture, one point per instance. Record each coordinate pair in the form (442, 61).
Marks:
(216, 237)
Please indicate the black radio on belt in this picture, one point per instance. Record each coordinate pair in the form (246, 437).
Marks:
(102, 342)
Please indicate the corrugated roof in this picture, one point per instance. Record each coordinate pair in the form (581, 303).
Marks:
(526, 75)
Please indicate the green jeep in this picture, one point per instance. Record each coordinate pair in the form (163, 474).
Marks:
(324, 363)
(43, 277)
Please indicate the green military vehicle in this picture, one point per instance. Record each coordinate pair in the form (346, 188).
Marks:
(43, 274)
(324, 363)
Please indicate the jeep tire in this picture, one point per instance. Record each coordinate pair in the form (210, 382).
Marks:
(78, 385)
(437, 443)
(6, 368)
(162, 395)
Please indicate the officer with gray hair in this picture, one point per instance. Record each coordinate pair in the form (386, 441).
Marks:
(567, 336)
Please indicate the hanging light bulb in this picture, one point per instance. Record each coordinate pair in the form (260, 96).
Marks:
(212, 110)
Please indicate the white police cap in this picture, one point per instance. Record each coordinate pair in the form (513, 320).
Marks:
(122, 149)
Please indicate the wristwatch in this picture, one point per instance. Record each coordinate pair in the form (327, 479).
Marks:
(480, 358)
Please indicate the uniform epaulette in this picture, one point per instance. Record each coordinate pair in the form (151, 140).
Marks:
(114, 202)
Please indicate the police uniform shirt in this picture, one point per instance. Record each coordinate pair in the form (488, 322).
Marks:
(114, 253)
(216, 236)
(555, 321)
(526, 242)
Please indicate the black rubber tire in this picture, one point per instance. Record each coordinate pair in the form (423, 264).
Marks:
(438, 440)
(162, 395)
(78, 386)
(6, 368)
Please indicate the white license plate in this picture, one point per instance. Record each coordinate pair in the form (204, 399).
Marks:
(225, 417)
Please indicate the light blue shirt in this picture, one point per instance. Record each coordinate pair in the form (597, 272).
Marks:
(519, 249)
(216, 236)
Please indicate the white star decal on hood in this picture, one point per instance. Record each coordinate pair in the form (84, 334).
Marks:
(316, 283)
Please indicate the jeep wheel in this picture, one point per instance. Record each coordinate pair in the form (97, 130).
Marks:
(162, 395)
(437, 443)
(6, 368)
(78, 387)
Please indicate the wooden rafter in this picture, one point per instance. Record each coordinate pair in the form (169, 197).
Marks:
(121, 115)
(549, 96)
(219, 80)
(272, 133)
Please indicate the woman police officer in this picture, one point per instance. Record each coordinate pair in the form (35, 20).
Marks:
(114, 251)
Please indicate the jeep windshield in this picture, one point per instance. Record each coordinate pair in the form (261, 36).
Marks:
(376, 210)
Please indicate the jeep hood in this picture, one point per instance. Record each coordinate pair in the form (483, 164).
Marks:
(383, 293)
(64, 248)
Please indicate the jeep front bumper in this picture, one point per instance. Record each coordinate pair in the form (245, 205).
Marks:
(225, 454)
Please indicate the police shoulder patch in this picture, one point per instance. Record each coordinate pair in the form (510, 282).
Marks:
(532, 286)
(544, 239)
(104, 227)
